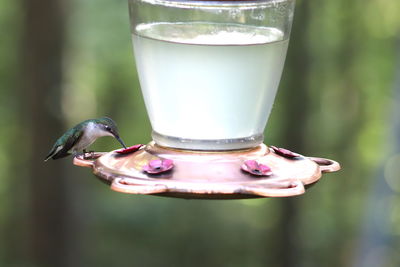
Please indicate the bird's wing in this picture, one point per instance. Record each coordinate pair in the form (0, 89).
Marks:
(61, 151)
(73, 138)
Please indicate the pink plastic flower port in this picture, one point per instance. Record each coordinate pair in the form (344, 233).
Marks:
(255, 168)
(156, 166)
(130, 149)
(285, 152)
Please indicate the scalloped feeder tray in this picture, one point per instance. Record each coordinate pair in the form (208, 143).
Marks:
(253, 173)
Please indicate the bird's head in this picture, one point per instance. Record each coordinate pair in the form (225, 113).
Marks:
(109, 126)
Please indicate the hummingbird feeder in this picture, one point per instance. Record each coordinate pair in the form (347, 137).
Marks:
(209, 72)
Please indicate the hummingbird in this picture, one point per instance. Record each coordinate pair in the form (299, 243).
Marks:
(82, 136)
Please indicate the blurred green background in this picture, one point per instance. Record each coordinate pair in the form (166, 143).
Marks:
(65, 61)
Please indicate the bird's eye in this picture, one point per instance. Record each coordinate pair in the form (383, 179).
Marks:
(108, 128)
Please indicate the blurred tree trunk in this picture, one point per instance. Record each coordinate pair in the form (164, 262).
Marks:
(50, 219)
(376, 241)
(297, 104)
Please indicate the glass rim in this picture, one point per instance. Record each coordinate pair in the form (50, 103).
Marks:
(214, 3)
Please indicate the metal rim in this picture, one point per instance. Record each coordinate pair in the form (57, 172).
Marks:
(215, 4)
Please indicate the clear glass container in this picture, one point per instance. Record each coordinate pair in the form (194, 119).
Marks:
(209, 70)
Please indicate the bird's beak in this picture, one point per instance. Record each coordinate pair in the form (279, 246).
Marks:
(120, 140)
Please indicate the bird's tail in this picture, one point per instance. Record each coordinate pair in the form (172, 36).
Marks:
(48, 156)
(52, 152)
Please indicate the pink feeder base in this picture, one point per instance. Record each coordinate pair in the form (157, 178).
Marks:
(207, 175)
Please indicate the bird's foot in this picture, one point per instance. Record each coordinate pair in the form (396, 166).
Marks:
(88, 155)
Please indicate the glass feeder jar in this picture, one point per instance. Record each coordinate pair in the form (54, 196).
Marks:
(209, 70)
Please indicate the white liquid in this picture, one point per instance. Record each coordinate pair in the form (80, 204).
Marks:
(208, 81)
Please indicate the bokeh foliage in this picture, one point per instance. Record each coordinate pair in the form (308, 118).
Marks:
(339, 78)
